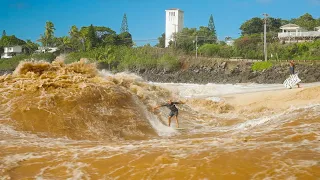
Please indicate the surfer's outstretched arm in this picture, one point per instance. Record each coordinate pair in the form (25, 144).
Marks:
(181, 102)
(157, 107)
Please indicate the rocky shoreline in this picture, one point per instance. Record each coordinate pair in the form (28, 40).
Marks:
(227, 73)
(232, 72)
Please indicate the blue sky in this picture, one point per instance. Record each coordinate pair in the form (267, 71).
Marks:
(26, 18)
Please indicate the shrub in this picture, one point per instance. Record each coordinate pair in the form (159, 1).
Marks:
(12, 63)
(260, 66)
(209, 49)
(168, 62)
(49, 57)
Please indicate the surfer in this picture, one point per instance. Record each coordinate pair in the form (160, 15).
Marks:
(173, 110)
(292, 67)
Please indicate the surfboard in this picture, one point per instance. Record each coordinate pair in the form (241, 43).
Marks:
(291, 81)
(180, 128)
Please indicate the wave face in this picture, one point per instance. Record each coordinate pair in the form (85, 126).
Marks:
(78, 102)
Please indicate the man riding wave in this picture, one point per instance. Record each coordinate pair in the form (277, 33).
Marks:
(173, 110)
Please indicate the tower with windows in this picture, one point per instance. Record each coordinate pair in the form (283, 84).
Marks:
(174, 24)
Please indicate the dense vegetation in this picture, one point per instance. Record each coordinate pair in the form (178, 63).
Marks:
(121, 58)
(11, 64)
(118, 52)
(250, 44)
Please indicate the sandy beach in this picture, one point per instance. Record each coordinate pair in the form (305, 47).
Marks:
(275, 100)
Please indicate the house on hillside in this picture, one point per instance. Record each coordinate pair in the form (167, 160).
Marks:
(294, 33)
(11, 51)
(46, 50)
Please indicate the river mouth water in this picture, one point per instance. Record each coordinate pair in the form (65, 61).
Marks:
(53, 126)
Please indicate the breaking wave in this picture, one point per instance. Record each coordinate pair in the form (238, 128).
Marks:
(79, 102)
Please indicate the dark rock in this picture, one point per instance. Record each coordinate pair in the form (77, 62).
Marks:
(242, 73)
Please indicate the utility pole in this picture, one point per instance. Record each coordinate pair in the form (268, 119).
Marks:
(175, 35)
(265, 36)
(196, 47)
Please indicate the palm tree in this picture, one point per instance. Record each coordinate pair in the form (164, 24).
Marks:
(75, 37)
(74, 32)
(106, 57)
(49, 33)
(30, 46)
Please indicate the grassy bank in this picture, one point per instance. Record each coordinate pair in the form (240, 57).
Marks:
(12, 63)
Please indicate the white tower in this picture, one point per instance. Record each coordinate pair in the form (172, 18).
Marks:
(174, 23)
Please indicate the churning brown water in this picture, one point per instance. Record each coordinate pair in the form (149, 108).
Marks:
(62, 121)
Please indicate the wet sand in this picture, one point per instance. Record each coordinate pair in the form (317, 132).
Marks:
(274, 100)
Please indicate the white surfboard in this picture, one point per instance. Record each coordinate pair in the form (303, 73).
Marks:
(291, 81)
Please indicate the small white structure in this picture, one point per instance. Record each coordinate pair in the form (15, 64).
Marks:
(174, 24)
(229, 41)
(317, 28)
(46, 50)
(294, 33)
(11, 51)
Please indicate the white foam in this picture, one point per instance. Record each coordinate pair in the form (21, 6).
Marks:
(160, 128)
(127, 75)
(211, 90)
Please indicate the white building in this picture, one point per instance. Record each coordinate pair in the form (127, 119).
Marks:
(174, 24)
(11, 51)
(46, 50)
(294, 33)
(229, 41)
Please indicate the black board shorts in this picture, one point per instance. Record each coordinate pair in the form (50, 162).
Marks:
(173, 113)
(291, 70)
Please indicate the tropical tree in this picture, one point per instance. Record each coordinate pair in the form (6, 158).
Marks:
(205, 36)
(252, 26)
(49, 32)
(48, 38)
(30, 46)
(125, 38)
(185, 39)
(162, 40)
(106, 56)
(101, 35)
(249, 46)
(74, 32)
(4, 33)
(11, 41)
(92, 40)
(212, 28)
(306, 21)
(274, 24)
(63, 43)
(75, 38)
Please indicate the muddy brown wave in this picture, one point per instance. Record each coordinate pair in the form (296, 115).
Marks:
(71, 121)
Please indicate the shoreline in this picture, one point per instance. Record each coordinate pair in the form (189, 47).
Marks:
(245, 100)
(275, 100)
(211, 90)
